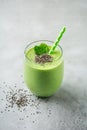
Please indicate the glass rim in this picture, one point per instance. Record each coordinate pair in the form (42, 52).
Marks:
(42, 41)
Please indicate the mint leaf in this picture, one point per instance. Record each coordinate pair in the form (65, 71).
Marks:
(41, 49)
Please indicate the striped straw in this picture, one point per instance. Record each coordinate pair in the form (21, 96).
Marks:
(57, 41)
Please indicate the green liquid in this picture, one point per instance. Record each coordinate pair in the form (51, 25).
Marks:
(43, 79)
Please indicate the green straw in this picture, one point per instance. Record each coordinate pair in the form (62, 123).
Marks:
(57, 41)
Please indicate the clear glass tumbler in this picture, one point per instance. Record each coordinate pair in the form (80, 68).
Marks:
(43, 80)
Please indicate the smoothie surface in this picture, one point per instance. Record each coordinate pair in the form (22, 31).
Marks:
(30, 54)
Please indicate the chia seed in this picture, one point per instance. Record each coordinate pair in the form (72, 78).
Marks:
(43, 58)
(21, 99)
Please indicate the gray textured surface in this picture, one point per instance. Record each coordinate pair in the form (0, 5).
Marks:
(23, 21)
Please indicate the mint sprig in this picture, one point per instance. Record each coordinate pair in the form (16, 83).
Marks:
(41, 49)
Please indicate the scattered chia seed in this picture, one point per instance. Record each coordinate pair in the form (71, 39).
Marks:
(18, 98)
(24, 109)
(33, 113)
(33, 121)
(38, 112)
(3, 82)
(3, 91)
(23, 82)
(21, 75)
(48, 115)
(22, 99)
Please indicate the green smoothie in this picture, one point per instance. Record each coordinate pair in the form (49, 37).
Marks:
(43, 79)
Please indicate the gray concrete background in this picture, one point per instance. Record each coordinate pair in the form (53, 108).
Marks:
(24, 21)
